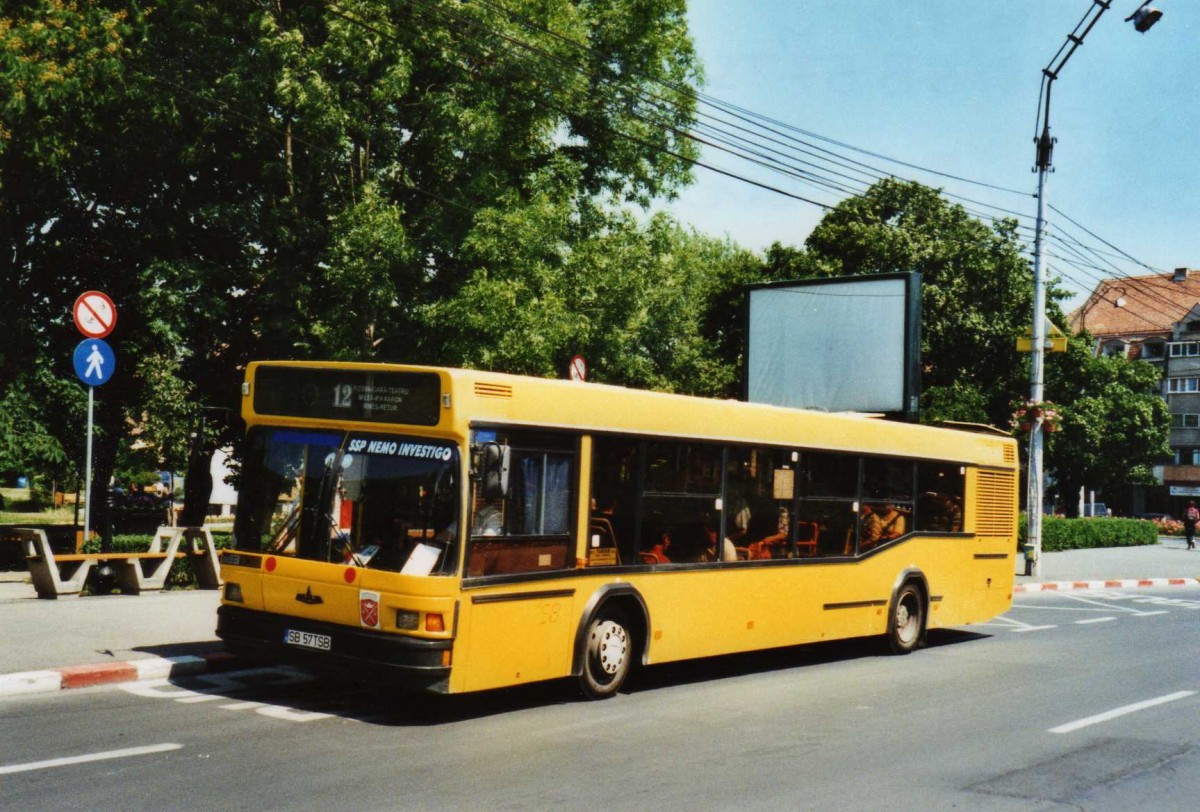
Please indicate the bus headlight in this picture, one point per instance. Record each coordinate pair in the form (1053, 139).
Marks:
(233, 592)
(408, 620)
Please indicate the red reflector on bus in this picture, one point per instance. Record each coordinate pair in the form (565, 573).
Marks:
(434, 622)
(351, 574)
(270, 565)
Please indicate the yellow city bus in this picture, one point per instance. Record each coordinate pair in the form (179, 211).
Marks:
(465, 530)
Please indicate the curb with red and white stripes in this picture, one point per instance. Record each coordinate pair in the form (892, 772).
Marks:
(86, 676)
(1123, 583)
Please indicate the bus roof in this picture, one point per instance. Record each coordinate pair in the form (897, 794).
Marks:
(480, 397)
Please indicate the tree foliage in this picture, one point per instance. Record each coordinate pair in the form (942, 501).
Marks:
(977, 299)
(297, 179)
(977, 295)
(1115, 427)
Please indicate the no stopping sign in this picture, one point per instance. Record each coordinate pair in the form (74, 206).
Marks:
(94, 314)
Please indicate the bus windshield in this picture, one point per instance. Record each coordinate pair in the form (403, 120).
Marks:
(380, 501)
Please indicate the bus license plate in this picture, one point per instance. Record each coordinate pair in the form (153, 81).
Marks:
(321, 642)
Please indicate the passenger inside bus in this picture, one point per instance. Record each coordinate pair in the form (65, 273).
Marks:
(728, 548)
(657, 554)
(870, 530)
(892, 523)
(768, 533)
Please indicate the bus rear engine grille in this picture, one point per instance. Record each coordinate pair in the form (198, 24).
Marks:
(994, 504)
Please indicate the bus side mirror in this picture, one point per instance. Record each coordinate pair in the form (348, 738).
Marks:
(494, 467)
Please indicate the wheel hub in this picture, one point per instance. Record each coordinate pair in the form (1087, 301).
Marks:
(611, 646)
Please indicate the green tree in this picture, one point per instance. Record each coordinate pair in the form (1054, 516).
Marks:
(1114, 425)
(301, 179)
(977, 293)
(651, 305)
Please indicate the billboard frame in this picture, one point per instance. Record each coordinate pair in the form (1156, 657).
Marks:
(911, 363)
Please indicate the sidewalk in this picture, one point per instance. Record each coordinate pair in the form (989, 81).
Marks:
(75, 642)
(1161, 564)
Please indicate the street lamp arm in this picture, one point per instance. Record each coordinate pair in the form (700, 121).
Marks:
(1054, 68)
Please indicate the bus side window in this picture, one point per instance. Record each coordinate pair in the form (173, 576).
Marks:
(614, 491)
(940, 489)
(521, 522)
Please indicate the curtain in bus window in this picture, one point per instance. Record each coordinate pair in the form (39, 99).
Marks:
(546, 494)
(558, 495)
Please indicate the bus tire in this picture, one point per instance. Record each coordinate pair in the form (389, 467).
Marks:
(608, 656)
(906, 622)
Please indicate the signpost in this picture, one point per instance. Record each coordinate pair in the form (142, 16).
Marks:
(95, 315)
(578, 368)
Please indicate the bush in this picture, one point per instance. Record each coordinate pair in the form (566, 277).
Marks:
(1059, 533)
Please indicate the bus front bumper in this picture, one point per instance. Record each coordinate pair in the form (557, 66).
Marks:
(261, 636)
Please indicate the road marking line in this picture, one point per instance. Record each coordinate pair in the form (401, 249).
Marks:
(1105, 606)
(1033, 629)
(1070, 727)
(1094, 620)
(110, 754)
(1151, 614)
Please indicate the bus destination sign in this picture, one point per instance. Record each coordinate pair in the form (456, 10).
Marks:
(371, 396)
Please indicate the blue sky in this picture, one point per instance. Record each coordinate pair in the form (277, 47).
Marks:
(953, 85)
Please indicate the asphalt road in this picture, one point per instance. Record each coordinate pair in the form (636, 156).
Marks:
(1085, 700)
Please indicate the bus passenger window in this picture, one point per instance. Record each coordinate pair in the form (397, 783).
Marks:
(760, 486)
(829, 492)
(614, 493)
(528, 528)
(940, 490)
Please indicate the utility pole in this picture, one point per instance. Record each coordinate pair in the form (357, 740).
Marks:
(1143, 18)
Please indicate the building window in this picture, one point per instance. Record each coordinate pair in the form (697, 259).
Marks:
(1185, 421)
(1180, 385)
(1114, 348)
(1180, 349)
(1152, 350)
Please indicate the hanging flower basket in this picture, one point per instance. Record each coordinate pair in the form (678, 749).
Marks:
(1028, 413)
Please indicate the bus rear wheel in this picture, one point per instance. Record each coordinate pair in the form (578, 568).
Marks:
(907, 623)
(609, 655)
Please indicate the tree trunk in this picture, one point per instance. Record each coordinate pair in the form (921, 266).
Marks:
(104, 462)
(197, 487)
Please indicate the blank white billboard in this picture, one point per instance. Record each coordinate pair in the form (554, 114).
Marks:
(845, 344)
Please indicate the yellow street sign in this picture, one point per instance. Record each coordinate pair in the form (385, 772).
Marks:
(1056, 339)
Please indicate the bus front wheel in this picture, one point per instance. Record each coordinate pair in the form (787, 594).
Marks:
(609, 655)
(907, 622)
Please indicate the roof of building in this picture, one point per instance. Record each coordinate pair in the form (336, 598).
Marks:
(1137, 305)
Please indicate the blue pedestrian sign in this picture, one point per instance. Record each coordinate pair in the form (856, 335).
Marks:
(94, 361)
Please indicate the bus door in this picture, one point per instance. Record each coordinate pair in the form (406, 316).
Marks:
(518, 621)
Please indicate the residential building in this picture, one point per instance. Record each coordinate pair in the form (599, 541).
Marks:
(1156, 319)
